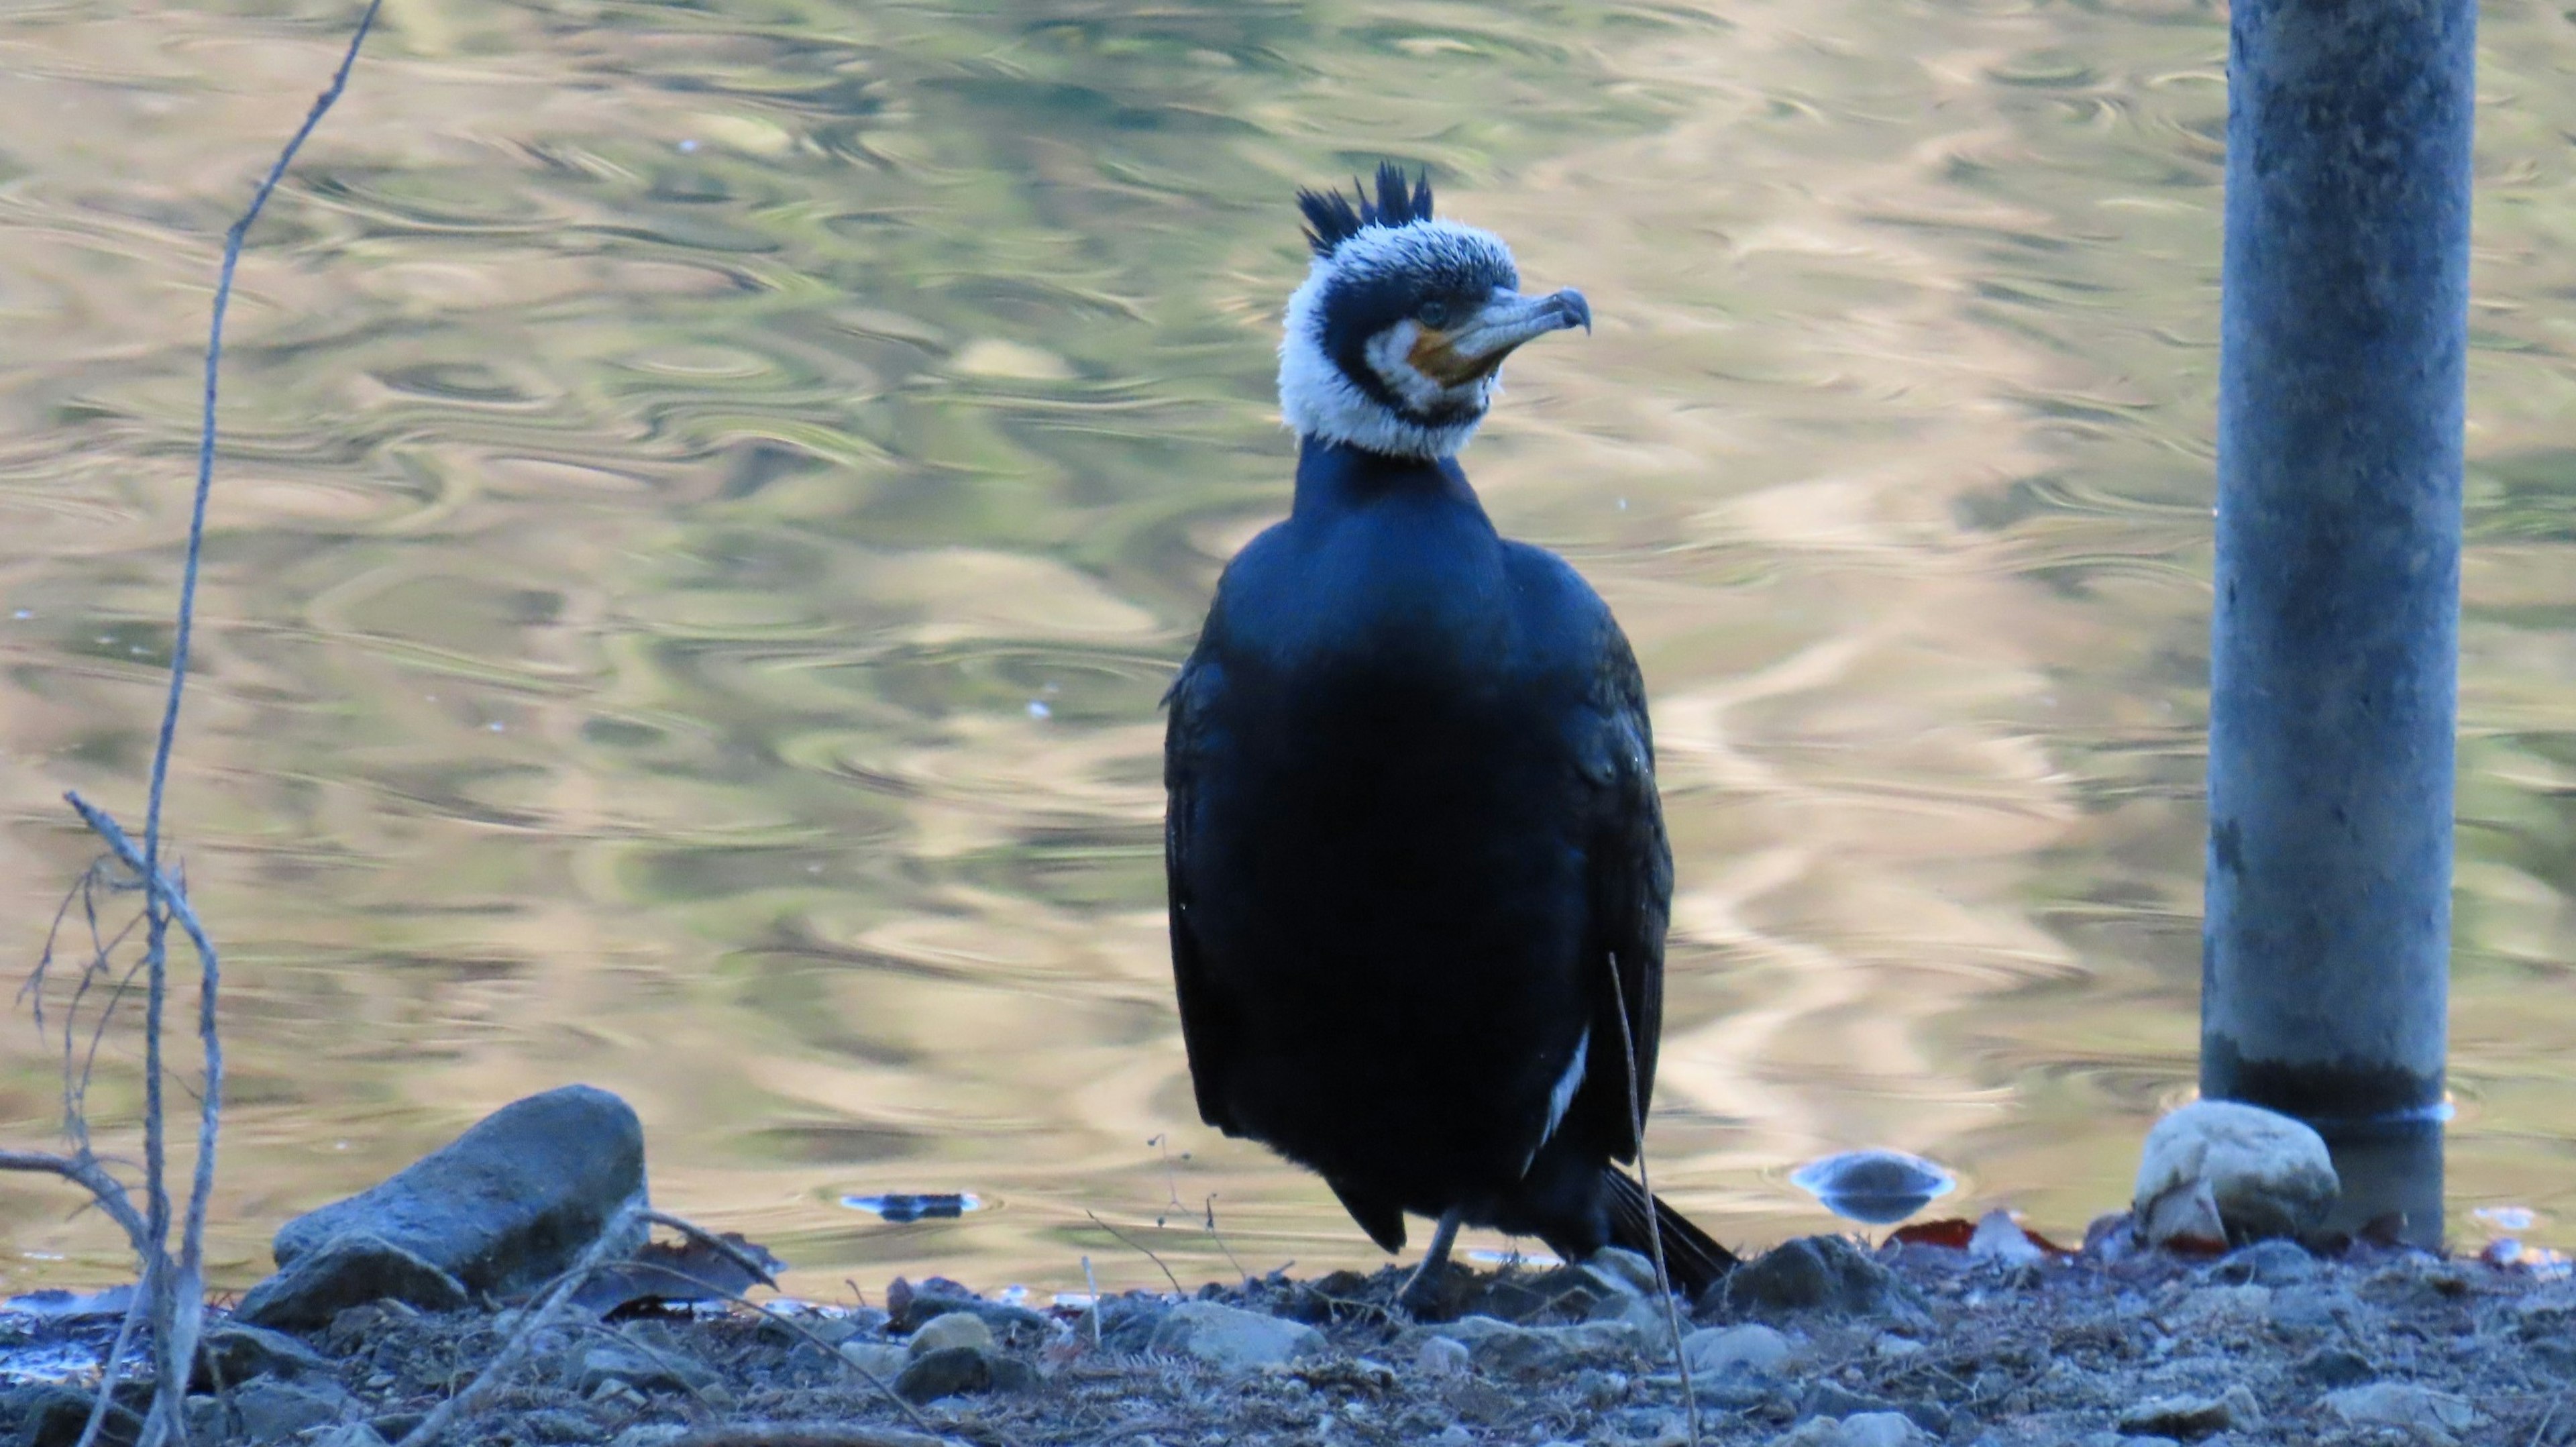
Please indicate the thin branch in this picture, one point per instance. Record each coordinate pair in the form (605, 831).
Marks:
(85, 1171)
(105, 1401)
(1137, 1246)
(1646, 1185)
(539, 1316)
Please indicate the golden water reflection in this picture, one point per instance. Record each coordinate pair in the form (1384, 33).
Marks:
(712, 496)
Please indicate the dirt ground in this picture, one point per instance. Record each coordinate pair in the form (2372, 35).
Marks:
(1819, 1343)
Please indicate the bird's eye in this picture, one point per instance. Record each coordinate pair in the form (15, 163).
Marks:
(1433, 313)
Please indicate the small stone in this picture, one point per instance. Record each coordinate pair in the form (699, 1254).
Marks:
(1812, 1273)
(952, 1329)
(349, 1271)
(1440, 1358)
(2335, 1367)
(234, 1353)
(948, 1372)
(1814, 1432)
(1232, 1339)
(1879, 1429)
(647, 1372)
(1621, 1271)
(2184, 1417)
(1748, 1350)
(2267, 1263)
(2264, 1173)
(274, 1411)
(2000, 1239)
(2434, 1416)
(883, 1360)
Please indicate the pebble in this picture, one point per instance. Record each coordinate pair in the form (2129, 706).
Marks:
(1748, 1350)
(2189, 1417)
(947, 1372)
(2267, 1263)
(2262, 1173)
(2430, 1415)
(2335, 1367)
(880, 1359)
(1441, 1358)
(1811, 1273)
(951, 1330)
(1232, 1339)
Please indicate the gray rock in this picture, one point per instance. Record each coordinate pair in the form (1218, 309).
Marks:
(1000, 1316)
(952, 1329)
(948, 1372)
(1829, 1399)
(1749, 1350)
(884, 1361)
(2260, 1172)
(1622, 1272)
(2268, 1263)
(1231, 1338)
(348, 1434)
(52, 1414)
(2335, 1367)
(1812, 1273)
(649, 1371)
(349, 1271)
(234, 1352)
(505, 1206)
(1441, 1358)
(2430, 1415)
(272, 1411)
(1879, 1429)
(2182, 1417)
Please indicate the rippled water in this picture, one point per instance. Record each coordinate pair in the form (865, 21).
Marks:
(713, 492)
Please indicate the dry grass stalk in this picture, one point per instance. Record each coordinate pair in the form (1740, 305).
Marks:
(1654, 1225)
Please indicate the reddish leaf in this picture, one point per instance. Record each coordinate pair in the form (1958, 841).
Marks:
(1954, 1232)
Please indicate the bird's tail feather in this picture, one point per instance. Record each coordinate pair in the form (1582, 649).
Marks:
(1692, 1258)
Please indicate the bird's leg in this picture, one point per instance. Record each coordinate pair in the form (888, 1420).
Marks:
(1435, 1260)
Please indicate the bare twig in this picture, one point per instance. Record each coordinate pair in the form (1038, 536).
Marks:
(1646, 1184)
(547, 1309)
(105, 1402)
(1133, 1245)
(1231, 1259)
(539, 1316)
(1093, 1282)
(86, 1172)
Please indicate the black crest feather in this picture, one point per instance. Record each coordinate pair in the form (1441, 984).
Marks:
(1331, 219)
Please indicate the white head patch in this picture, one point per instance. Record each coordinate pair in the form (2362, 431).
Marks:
(1318, 399)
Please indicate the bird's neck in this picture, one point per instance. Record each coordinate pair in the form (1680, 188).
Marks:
(1337, 476)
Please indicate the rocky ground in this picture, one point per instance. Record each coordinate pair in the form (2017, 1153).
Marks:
(1819, 1342)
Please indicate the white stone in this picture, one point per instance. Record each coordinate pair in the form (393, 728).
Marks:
(1441, 1357)
(951, 1329)
(2264, 1173)
(2429, 1414)
(883, 1360)
(1879, 1429)
(1621, 1271)
(1736, 1351)
(1232, 1339)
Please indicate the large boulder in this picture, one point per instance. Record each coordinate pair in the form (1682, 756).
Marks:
(2217, 1172)
(347, 1271)
(504, 1207)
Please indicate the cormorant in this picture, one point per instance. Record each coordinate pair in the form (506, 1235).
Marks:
(1413, 835)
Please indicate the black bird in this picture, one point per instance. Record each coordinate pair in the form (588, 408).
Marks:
(1413, 836)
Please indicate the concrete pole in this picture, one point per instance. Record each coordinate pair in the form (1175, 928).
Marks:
(2343, 340)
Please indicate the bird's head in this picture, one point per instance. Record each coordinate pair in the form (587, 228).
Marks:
(1396, 339)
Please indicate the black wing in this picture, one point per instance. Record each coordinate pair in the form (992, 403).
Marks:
(1632, 891)
(1207, 1021)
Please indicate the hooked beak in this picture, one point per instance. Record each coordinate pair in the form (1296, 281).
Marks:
(1473, 350)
